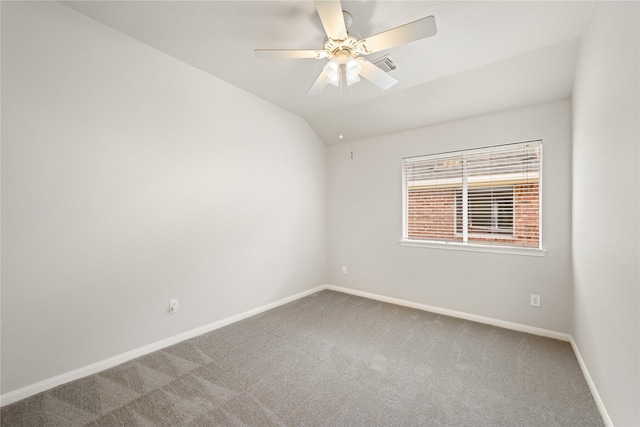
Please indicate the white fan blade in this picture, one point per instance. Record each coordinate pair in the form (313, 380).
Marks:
(330, 12)
(375, 75)
(290, 53)
(416, 30)
(319, 85)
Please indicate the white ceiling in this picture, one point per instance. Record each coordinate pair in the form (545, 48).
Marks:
(487, 56)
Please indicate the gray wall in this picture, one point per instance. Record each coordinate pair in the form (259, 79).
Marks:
(130, 178)
(365, 223)
(606, 212)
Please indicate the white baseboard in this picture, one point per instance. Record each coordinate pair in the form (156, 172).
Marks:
(594, 391)
(459, 314)
(94, 368)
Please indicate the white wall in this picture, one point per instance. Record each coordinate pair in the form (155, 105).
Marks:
(130, 178)
(606, 212)
(365, 223)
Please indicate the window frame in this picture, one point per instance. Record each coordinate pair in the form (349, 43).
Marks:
(475, 247)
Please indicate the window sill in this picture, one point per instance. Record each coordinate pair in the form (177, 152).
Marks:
(474, 248)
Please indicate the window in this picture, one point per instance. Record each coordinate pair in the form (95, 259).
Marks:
(486, 197)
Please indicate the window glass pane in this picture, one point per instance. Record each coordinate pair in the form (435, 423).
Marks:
(490, 210)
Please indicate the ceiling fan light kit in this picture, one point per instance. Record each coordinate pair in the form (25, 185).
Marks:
(343, 50)
(333, 70)
(352, 71)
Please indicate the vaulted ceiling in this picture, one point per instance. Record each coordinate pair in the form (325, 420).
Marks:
(486, 57)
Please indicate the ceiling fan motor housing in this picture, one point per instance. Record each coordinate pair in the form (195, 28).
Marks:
(349, 47)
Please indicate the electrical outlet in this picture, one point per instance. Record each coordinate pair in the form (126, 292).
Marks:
(174, 306)
(535, 300)
(344, 269)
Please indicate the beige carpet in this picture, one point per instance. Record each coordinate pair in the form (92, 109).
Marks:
(332, 359)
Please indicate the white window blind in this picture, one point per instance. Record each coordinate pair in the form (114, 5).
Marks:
(488, 196)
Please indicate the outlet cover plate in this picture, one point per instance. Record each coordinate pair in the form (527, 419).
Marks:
(535, 300)
(174, 306)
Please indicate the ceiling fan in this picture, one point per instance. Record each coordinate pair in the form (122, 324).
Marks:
(344, 50)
